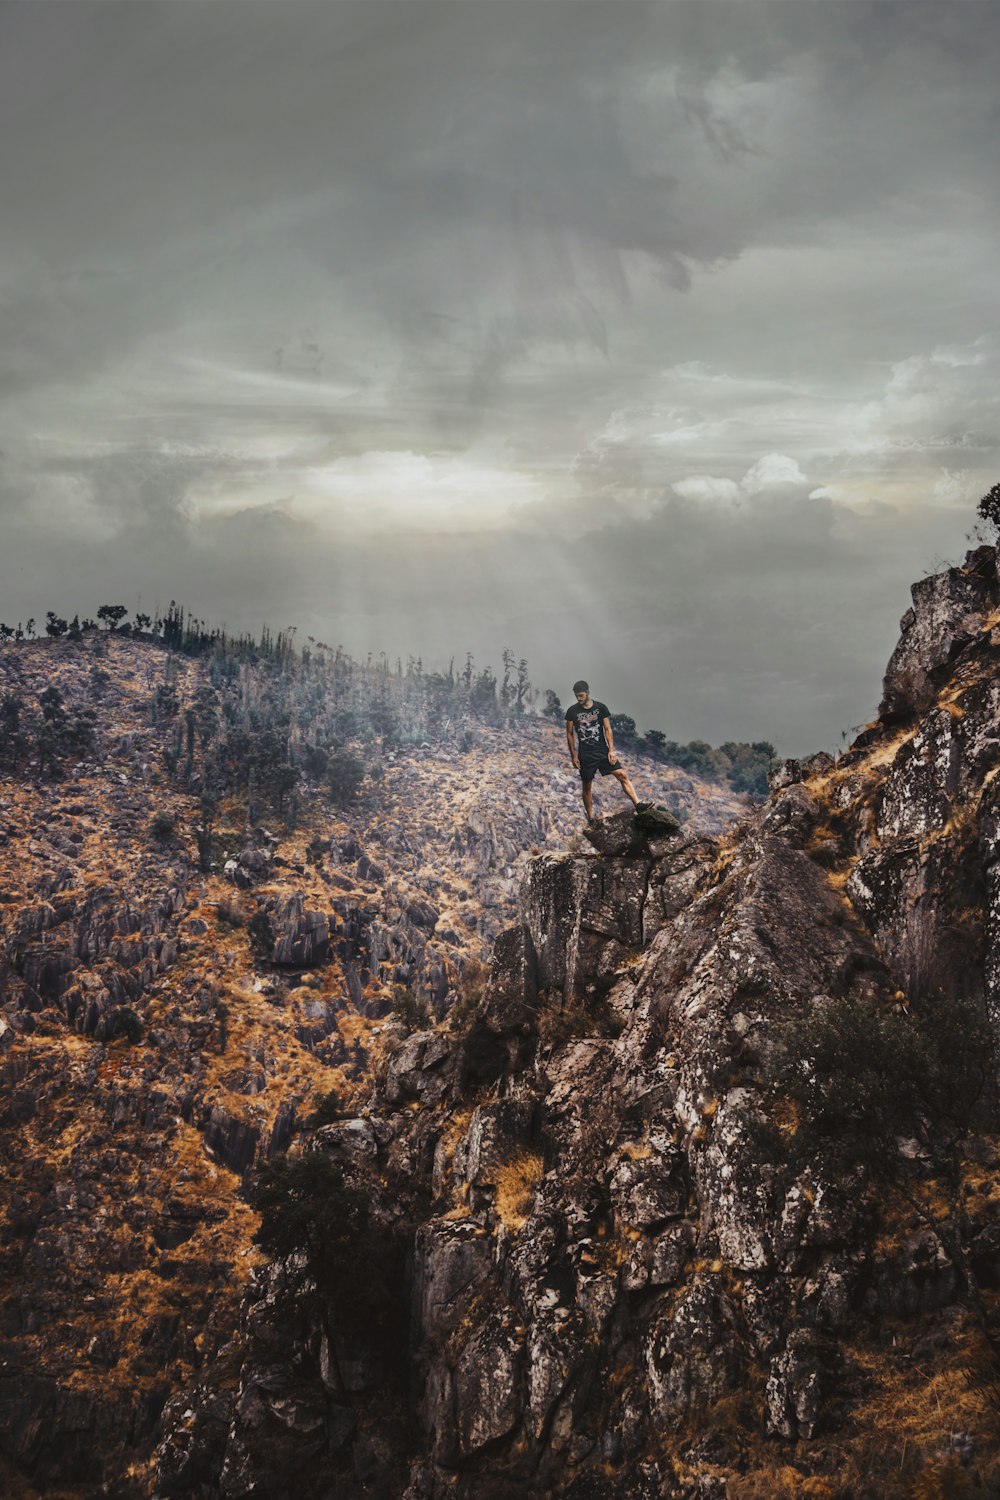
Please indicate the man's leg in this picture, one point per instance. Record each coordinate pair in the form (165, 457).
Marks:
(587, 789)
(627, 787)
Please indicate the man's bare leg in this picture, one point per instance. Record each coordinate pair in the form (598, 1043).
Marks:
(587, 789)
(627, 787)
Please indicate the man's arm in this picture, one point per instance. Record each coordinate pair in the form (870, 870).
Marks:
(609, 737)
(571, 742)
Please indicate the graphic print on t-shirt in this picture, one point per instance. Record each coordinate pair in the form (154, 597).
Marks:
(588, 723)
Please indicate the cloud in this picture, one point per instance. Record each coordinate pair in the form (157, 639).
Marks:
(681, 308)
(772, 470)
(705, 487)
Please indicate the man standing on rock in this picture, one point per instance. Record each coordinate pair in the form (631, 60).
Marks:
(594, 749)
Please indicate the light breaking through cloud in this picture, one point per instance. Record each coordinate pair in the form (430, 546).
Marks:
(658, 342)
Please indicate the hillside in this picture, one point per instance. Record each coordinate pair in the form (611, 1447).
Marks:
(178, 990)
(703, 1201)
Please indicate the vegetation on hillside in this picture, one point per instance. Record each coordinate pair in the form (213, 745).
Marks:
(272, 713)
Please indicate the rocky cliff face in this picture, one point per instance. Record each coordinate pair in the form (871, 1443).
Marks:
(166, 1031)
(626, 1275)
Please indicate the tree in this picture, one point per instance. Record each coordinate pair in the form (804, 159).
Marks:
(483, 698)
(989, 507)
(522, 686)
(339, 1263)
(553, 707)
(13, 743)
(506, 691)
(656, 739)
(60, 734)
(111, 614)
(623, 727)
(344, 773)
(54, 626)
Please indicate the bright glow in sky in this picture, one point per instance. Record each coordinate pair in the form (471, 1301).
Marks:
(658, 342)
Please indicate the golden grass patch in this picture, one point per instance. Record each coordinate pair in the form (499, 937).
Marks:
(517, 1182)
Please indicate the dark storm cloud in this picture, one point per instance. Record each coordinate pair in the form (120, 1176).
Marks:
(667, 330)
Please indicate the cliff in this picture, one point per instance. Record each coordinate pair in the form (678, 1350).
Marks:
(176, 1001)
(701, 1198)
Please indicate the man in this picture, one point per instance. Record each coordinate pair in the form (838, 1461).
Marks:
(594, 749)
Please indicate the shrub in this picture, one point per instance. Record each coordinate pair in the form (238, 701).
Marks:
(410, 1008)
(345, 773)
(329, 1109)
(466, 1009)
(321, 1226)
(316, 848)
(162, 827)
(230, 913)
(860, 1076)
(128, 1025)
(261, 933)
(989, 507)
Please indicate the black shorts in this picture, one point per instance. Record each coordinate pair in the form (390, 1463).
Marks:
(590, 767)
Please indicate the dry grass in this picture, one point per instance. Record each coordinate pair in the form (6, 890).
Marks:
(517, 1182)
(780, 1482)
(636, 1150)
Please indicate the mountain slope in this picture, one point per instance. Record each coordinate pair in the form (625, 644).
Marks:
(166, 1028)
(703, 1200)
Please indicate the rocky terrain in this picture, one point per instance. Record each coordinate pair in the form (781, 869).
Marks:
(702, 1200)
(169, 1023)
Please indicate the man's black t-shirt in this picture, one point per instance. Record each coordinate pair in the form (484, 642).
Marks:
(589, 729)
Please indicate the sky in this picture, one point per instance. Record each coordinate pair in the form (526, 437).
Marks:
(657, 342)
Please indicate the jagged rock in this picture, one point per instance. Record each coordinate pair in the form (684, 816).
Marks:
(301, 937)
(616, 835)
(497, 1133)
(282, 1131)
(510, 1000)
(948, 611)
(351, 1142)
(231, 1141)
(819, 764)
(281, 1423)
(670, 1252)
(573, 909)
(792, 813)
(190, 1454)
(451, 1262)
(689, 1358)
(416, 1070)
(648, 1185)
(488, 1394)
(916, 795)
(785, 773)
(252, 865)
(798, 1384)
